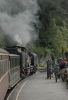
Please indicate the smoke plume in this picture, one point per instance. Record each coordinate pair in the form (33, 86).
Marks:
(17, 18)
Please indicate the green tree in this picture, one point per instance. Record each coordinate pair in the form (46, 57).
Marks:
(53, 33)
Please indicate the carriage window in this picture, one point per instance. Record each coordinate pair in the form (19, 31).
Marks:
(0, 69)
(5, 57)
(18, 61)
(11, 63)
(5, 66)
(0, 57)
(15, 62)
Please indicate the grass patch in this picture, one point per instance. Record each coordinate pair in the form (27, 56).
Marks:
(43, 67)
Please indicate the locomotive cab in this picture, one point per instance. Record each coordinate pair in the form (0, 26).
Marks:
(34, 58)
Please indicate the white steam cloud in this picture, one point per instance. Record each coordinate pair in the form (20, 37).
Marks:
(17, 18)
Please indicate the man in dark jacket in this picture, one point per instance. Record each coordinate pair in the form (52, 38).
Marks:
(62, 64)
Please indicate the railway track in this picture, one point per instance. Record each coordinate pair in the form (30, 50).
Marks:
(10, 90)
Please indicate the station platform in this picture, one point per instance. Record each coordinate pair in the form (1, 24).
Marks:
(38, 87)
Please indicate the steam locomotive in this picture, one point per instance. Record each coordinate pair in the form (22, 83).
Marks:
(15, 63)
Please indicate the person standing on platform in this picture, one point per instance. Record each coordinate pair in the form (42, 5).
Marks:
(53, 65)
(48, 66)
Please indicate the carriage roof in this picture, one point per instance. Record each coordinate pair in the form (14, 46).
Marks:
(13, 55)
(3, 51)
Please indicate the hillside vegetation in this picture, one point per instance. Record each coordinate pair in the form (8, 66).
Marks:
(53, 29)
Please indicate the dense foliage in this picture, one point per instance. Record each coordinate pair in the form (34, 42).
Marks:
(53, 31)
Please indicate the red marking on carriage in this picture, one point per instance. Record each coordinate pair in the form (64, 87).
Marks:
(21, 72)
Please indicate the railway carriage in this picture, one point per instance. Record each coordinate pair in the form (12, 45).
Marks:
(15, 63)
(14, 69)
(15, 50)
(21, 51)
(4, 73)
